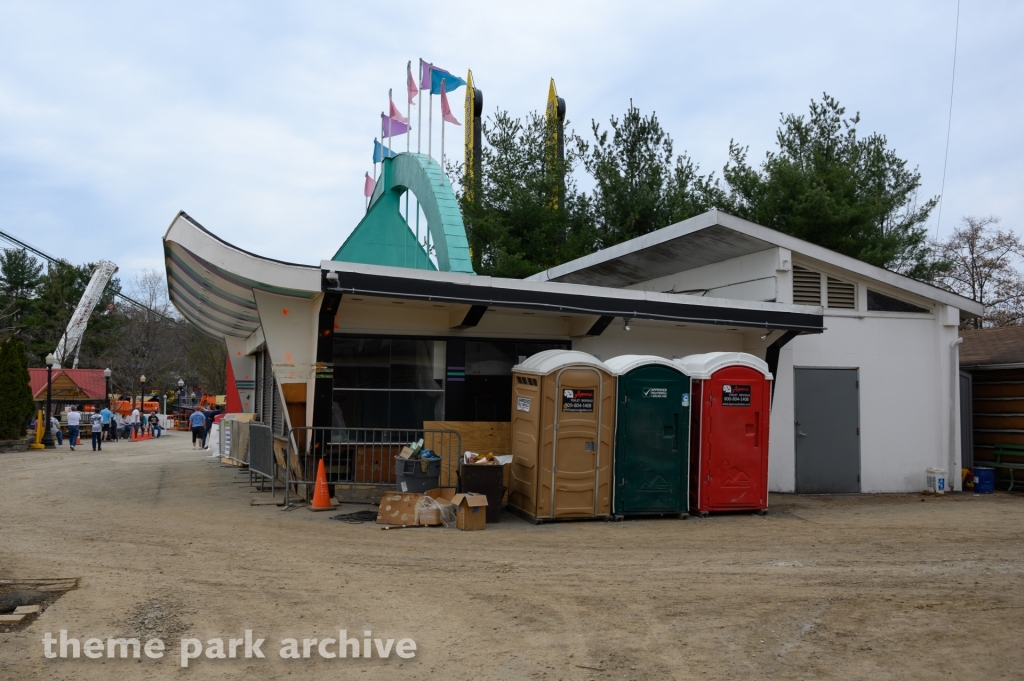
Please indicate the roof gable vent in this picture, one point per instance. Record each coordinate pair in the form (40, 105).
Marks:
(806, 286)
(841, 294)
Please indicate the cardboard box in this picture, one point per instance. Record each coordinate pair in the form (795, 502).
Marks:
(443, 496)
(471, 511)
(406, 452)
(398, 508)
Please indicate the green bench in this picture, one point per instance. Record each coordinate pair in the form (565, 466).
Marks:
(1003, 452)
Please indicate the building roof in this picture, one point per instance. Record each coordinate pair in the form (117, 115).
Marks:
(714, 237)
(211, 282)
(993, 348)
(569, 299)
(91, 382)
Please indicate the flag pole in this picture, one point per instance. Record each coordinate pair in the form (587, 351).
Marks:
(442, 132)
(408, 118)
(419, 111)
(430, 112)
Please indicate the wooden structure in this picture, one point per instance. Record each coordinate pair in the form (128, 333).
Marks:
(995, 360)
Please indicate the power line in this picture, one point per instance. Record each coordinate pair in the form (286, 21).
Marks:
(949, 121)
(51, 259)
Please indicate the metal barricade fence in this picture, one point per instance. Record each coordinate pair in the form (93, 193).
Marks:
(362, 456)
(234, 439)
(261, 453)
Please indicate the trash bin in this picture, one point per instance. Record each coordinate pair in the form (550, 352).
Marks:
(728, 464)
(652, 444)
(935, 480)
(984, 480)
(411, 475)
(563, 425)
(486, 479)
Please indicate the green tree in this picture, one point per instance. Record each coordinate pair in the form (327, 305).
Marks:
(640, 186)
(828, 186)
(16, 404)
(525, 213)
(20, 275)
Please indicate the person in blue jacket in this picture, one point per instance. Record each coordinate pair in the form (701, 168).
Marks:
(197, 421)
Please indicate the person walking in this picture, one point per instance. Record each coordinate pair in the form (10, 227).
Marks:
(96, 425)
(105, 416)
(154, 425)
(198, 423)
(74, 421)
(210, 414)
(55, 427)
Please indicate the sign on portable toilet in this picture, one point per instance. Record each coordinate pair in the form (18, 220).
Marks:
(652, 427)
(729, 416)
(563, 424)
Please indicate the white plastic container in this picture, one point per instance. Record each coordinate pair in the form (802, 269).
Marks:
(936, 480)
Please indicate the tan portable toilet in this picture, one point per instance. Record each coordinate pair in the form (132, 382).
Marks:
(563, 428)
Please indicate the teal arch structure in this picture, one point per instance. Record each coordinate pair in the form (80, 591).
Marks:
(383, 236)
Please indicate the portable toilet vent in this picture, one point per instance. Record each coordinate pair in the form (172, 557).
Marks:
(731, 400)
(562, 431)
(652, 444)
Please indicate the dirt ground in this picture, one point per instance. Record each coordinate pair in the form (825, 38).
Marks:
(165, 544)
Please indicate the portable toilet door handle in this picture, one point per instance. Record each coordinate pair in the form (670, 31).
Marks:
(801, 433)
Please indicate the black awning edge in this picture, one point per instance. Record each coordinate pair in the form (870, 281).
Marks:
(571, 303)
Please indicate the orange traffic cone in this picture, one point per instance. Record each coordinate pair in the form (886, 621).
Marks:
(147, 436)
(321, 497)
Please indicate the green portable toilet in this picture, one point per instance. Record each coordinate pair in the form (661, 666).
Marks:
(652, 436)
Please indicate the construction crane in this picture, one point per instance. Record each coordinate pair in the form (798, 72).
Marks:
(50, 259)
(72, 338)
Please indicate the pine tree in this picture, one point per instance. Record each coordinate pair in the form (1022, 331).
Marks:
(16, 403)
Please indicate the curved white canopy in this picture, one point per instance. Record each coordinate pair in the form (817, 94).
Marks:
(702, 366)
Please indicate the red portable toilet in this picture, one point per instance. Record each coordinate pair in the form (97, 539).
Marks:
(731, 401)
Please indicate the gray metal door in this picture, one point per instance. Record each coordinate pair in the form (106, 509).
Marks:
(827, 431)
(966, 420)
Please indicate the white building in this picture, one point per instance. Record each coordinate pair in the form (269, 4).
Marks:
(865, 360)
(867, 405)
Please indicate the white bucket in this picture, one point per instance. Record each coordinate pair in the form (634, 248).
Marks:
(936, 480)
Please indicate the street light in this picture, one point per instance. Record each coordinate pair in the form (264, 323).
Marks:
(142, 405)
(106, 376)
(48, 435)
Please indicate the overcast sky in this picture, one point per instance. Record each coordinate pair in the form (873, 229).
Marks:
(258, 118)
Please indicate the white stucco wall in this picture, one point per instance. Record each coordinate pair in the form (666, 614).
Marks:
(289, 326)
(904, 364)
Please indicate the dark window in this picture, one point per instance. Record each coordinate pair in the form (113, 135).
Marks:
(387, 383)
(362, 363)
(879, 302)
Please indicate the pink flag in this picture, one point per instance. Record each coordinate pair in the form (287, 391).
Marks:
(368, 186)
(397, 115)
(411, 83)
(446, 111)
